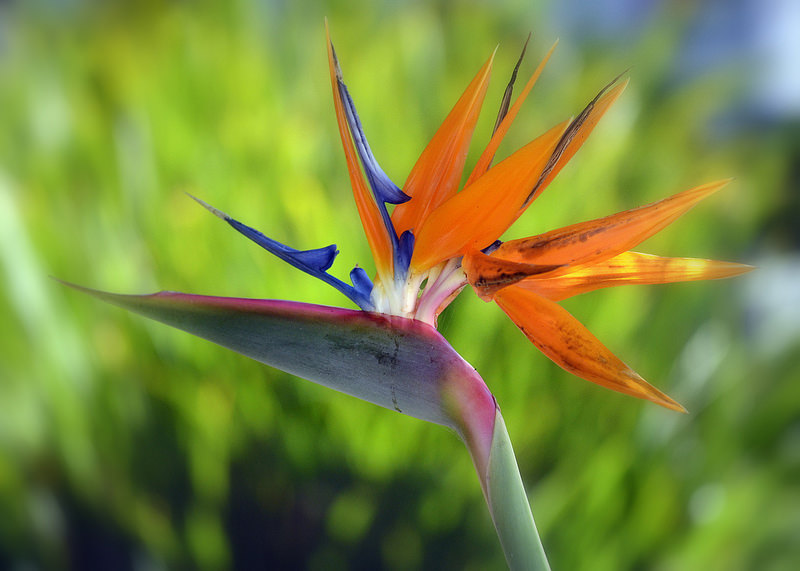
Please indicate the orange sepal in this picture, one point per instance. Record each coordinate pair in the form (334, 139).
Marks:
(596, 240)
(488, 154)
(479, 214)
(437, 173)
(379, 241)
(564, 340)
(630, 268)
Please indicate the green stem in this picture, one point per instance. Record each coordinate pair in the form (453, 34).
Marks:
(509, 506)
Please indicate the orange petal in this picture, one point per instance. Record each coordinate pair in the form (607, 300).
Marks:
(438, 171)
(488, 154)
(630, 268)
(487, 274)
(577, 133)
(596, 240)
(572, 347)
(476, 216)
(379, 241)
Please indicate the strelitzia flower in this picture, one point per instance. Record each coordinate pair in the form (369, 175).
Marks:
(436, 241)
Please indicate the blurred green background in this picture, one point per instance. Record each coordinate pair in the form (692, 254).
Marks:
(127, 445)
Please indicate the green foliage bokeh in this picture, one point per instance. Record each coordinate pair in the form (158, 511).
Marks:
(124, 444)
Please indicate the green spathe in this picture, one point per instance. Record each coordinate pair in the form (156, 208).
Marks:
(397, 363)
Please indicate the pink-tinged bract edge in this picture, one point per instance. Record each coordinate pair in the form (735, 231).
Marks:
(395, 362)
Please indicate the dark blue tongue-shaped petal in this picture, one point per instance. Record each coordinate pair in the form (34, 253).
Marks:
(405, 249)
(313, 261)
(361, 281)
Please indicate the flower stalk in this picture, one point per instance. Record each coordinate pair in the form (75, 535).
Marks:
(509, 505)
(483, 430)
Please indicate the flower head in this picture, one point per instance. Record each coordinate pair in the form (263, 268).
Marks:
(438, 238)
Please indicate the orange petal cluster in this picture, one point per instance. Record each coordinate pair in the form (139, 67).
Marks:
(526, 277)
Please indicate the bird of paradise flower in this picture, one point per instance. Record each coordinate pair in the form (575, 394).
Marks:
(436, 241)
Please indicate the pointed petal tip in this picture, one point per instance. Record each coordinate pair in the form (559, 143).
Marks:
(119, 299)
(334, 60)
(107, 296)
(712, 187)
(527, 41)
(64, 282)
(616, 83)
(671, 405)
(743, 268)
(76, 287)
(723, 182)
(490, 62)
(642, 389)
(731, 269)
(551, 50)
(211, 209)
(696, 194)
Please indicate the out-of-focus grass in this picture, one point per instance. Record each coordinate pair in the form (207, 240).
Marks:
(125, 444)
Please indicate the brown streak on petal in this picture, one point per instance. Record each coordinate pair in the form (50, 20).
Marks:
(567, 137)
(597, 240)
(506, 102)
(488, 274)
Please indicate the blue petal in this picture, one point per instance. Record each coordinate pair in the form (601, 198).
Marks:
(314, 262)
(405, 249)
(382, 186)
(492, 247)
(361, 281)
(319, 258)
